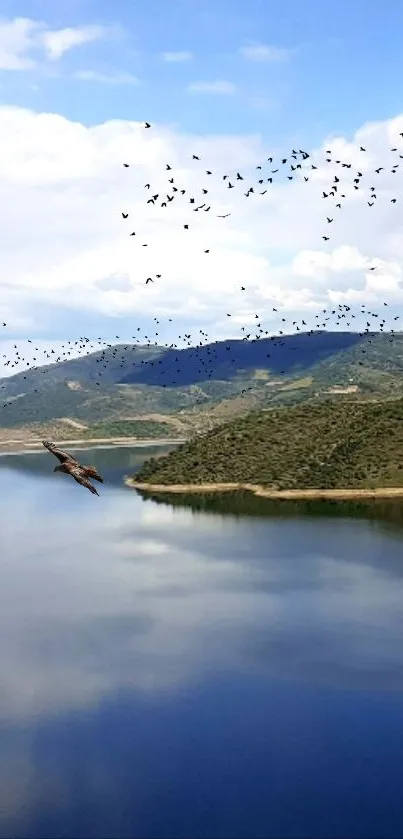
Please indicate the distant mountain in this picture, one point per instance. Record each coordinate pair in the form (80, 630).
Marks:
(225, 360)
(204, 384)
(322, 445)
(106, 367)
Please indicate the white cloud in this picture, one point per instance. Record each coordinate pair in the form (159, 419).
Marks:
(115, 282)
(17, 38)
(263, 52)
(106, 78)
(219, 86)
(63, 241)
(177, 56)
(60, 41)
(23, 41)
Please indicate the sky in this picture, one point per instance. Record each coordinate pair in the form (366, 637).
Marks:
(232, 85)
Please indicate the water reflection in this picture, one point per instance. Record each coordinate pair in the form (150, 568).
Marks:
(172, 674)
(113, 461)
(241, 504)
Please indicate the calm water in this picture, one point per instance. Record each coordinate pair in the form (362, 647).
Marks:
(228, 667)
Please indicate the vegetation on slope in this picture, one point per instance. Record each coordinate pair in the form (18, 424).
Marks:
(320, 445)
(90, 404)
(66, 429)
(131, 428)
(210, 365)
(241, 375)
(237, 358)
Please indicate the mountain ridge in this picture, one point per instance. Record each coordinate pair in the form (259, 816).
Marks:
(239, 375)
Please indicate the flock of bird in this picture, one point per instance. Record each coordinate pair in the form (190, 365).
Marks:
(342, 314)
(199, 346)
(294, 166)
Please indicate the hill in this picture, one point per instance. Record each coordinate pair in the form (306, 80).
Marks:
(225, 360)
(105, 367)
(322, 445)
(126, 383)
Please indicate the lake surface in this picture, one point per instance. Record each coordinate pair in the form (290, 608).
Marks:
(212, 667)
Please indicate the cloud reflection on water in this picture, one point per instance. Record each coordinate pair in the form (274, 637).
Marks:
(144, 655)
(94, 597)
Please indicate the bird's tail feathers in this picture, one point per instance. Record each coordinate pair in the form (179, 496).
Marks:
(92, 489)
(93, 472)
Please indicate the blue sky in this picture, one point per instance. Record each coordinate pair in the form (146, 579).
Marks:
(346, 67)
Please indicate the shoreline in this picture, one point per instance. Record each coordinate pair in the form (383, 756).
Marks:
(257, 489)
(18, 446)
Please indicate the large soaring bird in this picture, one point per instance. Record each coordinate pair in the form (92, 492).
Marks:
(71, 466)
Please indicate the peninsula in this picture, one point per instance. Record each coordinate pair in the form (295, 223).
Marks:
(317, 449)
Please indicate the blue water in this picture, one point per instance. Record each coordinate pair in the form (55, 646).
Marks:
(168, 671)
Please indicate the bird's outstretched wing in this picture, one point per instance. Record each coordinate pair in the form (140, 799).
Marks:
(78, 473)
(62, 456)
(92, 472)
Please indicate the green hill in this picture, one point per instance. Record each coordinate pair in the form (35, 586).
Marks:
(326, 445)
(126, 382)
(107, 366)
(86, 403)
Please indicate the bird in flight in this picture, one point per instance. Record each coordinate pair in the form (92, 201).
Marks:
(70, 466)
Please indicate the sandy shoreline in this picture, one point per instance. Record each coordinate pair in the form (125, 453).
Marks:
(256, 489)
(18, 446)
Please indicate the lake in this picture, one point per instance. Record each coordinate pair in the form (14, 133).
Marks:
(206, 667)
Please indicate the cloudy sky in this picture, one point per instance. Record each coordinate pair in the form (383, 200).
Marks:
(234, 86)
